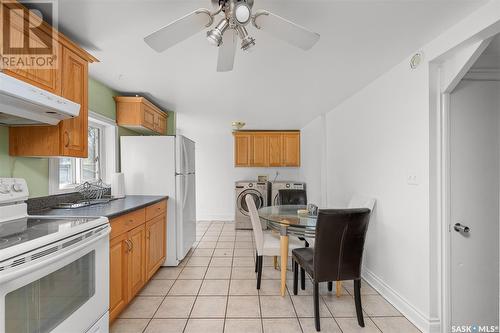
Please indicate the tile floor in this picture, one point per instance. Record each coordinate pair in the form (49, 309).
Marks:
(214, 291)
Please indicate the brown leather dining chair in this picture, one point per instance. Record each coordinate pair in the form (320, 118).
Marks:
(337, 253)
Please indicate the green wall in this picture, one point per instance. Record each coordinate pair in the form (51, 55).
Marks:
(36, 170)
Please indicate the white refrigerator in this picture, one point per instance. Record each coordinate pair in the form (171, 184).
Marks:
(165, 165)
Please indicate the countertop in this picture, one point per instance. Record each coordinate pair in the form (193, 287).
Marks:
(111, 209)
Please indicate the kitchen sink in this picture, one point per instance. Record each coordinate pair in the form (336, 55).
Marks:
(83, 203)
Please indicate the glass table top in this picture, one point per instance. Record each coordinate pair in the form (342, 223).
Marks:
(288, 216)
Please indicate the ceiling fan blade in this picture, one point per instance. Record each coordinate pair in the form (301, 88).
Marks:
(227, 51)
(179, 30)
(286, 30)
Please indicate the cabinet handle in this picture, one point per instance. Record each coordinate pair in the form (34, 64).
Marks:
(66, 139)
(129, 222)
(129, 247)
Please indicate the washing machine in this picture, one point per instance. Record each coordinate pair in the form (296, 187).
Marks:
(283, 185)
(260, 193)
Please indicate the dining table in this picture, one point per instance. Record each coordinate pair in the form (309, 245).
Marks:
(290, 221)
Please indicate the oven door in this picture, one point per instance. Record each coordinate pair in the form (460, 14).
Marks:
(64, 291)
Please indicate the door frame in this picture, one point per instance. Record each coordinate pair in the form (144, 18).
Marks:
(443, 193)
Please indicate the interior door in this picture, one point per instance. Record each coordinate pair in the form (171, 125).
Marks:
(474, 202)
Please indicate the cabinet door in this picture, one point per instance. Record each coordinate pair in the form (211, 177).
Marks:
(242, 150)
(74, 132)
(259, 150)
(291, 149)
(155, 244)
(160, 123)
(148, 118)
(136, 260)
(44, 78)
(275, 149)
(118, 273)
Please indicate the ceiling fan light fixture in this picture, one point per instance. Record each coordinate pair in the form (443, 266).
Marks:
(214, 36)
(242, 13)
(247, 42)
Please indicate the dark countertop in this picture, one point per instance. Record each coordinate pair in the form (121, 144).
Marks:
(111, 209)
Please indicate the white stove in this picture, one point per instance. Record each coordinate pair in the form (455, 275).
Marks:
(54, 271)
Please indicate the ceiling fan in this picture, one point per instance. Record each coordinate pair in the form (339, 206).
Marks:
(237, 15)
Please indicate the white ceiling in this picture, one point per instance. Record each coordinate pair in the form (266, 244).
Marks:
(276, 86)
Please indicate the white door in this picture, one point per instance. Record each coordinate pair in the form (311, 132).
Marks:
(474, 203)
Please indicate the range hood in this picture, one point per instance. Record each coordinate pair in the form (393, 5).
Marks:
(24, 104)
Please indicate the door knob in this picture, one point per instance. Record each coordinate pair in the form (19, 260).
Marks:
(461, 228)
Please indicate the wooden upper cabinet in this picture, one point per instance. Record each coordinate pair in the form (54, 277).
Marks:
(242, 145)
(275, 149)
(67, 78)
(267, 149)
(291, 149)
(259, 150)
(44, 78)
(140, 115)
(75, 88)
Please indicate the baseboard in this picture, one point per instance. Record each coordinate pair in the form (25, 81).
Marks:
(225, 218)
(422, 322)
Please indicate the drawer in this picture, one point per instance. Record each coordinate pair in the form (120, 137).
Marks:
(156, 209)
(124, 223)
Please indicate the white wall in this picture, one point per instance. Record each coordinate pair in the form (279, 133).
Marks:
(313, 161)
(215, 171)
(374, 141)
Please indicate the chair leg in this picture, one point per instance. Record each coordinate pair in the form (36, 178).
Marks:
(330, 285)
(316, 306)
(302, 279)
(256, 261)
(295, 277)
(259, 272)
(357, 300)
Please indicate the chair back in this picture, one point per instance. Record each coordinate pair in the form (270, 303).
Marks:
(292, 197)
(339, 244)
(256, 225)
(359, 201)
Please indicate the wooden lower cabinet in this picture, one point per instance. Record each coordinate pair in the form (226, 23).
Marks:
(135, 253)
(137, 260)
(156, 247)
(118, 260)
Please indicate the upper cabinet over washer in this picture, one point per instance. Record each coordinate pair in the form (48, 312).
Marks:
(66, 76)
(267, 148)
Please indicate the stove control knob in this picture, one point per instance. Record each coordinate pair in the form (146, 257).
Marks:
(17, 187)
(4, 189)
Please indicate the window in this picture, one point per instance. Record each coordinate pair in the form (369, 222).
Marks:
(67, 173)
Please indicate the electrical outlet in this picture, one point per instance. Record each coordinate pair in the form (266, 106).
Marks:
(412, 179)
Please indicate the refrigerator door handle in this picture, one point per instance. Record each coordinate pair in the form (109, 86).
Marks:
(185, 157)
(186, 184)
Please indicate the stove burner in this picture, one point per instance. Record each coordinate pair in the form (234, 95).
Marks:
(11, 240)
(3, 241)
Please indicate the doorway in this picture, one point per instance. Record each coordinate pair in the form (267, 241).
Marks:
(473, 176)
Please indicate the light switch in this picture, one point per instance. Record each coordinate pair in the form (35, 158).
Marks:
(412, 179)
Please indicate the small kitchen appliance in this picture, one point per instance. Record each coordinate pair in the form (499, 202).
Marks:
(54, 271)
